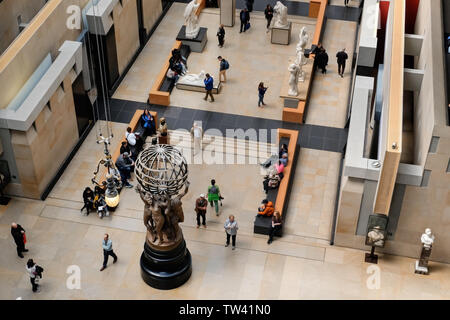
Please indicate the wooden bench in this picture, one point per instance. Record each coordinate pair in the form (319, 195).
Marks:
(280, 196)
(317, 10)
(162, 87)
(135, 126)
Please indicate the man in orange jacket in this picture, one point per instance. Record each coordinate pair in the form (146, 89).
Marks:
(266, 209)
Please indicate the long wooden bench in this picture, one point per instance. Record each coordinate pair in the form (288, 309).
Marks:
(162, 87)
(317, 10)
(135, 126)
(280, 196)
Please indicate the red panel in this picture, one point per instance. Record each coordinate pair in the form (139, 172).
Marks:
(384, 9)
(411, 13)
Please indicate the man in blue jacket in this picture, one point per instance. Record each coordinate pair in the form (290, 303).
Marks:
(245, 18)
(209, 84)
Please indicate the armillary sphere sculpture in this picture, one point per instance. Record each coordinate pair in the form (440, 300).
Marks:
(162, 173)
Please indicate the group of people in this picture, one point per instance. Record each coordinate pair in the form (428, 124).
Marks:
(177, 65)
(275, 169)
(93, 199)
(267, 209)
(321, 59)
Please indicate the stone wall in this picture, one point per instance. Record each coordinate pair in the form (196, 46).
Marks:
(151, 10)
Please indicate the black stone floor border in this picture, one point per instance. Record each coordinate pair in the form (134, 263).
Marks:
(310, 136)
(302, 9)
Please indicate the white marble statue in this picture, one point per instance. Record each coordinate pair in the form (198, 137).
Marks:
(376, 237)
(293, 80)
(280, 13)
(300, 61)
(191, 20)
(303, 39)
(427, 238)
(193, 79)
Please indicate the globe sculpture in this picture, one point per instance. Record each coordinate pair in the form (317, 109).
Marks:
(162, 173)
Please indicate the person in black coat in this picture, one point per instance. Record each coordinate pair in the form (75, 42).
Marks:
(221, 35)
(341, 58)
(322, 60)
(18, 234)
(88, 199)
(268, 13)
(245, 18)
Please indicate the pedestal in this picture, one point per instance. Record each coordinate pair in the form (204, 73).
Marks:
(281, 35)
(422, 263)
(371, 257)
(166, 269)
(227, 12)
(197, 44)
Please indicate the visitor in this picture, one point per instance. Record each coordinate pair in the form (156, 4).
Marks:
(231, 228)
(221, 35)
(197, 136)
(35, 273)
(245, 19)
(266, 209)
(209, 85)
(268, 13)
(346, 2)
(271, 181)
(124, 164)
(18, 234)
(224, 66)
(125, 147)
(148, 124)
(261, 92)
(131, 140)
(284, 159)
(88, 199)
(283, 150)
(279, 167)
(107, 251)
(321, 59)
(201, 205)
(214, 196)
(276, 225)
(341, 58)
(163, 132)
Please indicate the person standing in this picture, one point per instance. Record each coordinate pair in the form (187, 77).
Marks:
(35, 273)
(19, 237)
(209, 85)
(268, 13)
(346, 2)
(197, 136)
(201, 205)
(221, 35)
(107, 251)
(341, 58)
(276, 225)
(224, 66)
(125, 166)
(214, 196)
(322, 60)
(261, 92)
(245, 18)
(231, 228)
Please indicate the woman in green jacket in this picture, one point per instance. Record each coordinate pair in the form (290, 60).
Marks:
(214, 195)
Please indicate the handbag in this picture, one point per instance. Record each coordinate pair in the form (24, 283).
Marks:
(247, 26)
(24, 238)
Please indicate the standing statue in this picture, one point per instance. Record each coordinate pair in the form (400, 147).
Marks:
(303, 39)
(280, 11)
(191, 20)
(427, 240)
(293, 79)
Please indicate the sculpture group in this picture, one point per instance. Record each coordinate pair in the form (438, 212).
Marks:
(280, 15)
(296, 69)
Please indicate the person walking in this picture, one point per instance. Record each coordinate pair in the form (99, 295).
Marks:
(35, 273)
(125, 166)
(221, 35)
(18, 234)
(197, 136)
(261, 92)
(341, 58)
(209, 85)
(214, 196)
(346, 2)
(276, 225)
(322, 60)
(224, 66)
(268, 13)
(245, 18)
(107, 251)
(231, 228)
(201, 205)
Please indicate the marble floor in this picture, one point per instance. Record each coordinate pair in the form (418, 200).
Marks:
(245, 52)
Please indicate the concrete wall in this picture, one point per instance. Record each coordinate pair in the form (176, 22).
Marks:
(9, 11)
(126, 28)
(40, 151)
(151, 10)
(48, 36)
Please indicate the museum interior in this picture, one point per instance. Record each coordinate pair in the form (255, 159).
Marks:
(325, 126)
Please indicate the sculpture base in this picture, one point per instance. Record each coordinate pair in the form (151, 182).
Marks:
(198, 87)
(281, 35)
(371, 258)
(166, 269)
(420, 269)
(198, 43)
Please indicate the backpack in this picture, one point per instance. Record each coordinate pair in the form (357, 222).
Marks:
(226, 65)
(213, 190)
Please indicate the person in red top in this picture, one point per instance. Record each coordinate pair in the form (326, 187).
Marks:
(266, 209)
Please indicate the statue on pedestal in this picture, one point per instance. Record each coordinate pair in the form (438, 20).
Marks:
(161, 172)
(191, 20)
(293, 79)
(427, 240)
(280, 11)
(303, 41)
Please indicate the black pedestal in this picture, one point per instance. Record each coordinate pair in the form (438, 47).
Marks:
(166, 269)
(371, 257)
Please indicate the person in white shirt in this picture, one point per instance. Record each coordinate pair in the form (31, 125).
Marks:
(131, 137)
(35, 273)
(231, 228)
(197, 135)
(107, 251)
